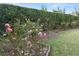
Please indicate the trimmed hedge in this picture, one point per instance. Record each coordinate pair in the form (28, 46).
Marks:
(11, 13)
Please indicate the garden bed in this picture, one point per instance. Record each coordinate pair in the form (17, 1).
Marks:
(37, 49)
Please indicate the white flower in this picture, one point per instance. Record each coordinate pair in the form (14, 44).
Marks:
(25, 38)
(44, 34)
(41, 25)
(7, 25)
(22, 51)
(4, 34)
(36, 29)
(14, 38)
(30, 31)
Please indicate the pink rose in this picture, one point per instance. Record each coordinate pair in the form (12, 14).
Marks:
(40, 34)
(8, 29)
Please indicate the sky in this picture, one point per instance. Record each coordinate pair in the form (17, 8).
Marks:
(69, 7)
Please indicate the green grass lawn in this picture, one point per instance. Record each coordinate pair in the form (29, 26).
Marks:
(67, 44)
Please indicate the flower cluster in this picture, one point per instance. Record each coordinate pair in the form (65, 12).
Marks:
(42, 34)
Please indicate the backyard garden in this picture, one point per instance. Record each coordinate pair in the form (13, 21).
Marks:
(32, 32)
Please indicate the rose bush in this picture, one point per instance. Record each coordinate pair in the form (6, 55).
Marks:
(22, 39)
